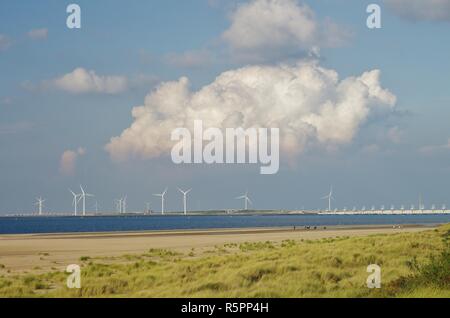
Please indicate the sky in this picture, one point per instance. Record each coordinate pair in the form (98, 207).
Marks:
(363, 110)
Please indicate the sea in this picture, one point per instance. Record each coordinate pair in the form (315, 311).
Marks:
(35, 225)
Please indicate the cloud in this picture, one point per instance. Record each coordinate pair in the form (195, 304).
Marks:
(67, 165)
(189, 59)
(421, 10)
(81, 81)
(309, 103)
(38, 34)
(265, 29)
(5, 42)
(371, 149)
(395, 135)
(142, 80)
(428, 150)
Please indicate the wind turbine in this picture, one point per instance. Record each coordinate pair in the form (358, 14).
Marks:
(83, 197)
(118, 203)
(39, 203)
(185, 193)
(96, 207)
(124, 204)
(246, 200)
(329, 197)
(147, 205)
(76, 199)
(162, 199)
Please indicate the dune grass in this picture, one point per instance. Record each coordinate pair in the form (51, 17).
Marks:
(412, 264)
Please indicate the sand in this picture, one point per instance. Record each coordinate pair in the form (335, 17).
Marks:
(20, 253)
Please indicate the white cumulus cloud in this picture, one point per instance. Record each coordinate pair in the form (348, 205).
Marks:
(67, 165)
(421, 10)
(81, 81)
(272, 28)
(309, 103)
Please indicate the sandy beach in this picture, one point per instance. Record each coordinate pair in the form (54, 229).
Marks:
(19, 253)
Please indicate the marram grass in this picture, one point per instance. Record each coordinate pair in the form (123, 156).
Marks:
(412, 264)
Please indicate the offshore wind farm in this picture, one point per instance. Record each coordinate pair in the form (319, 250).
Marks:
(120, 208)
(87, 217)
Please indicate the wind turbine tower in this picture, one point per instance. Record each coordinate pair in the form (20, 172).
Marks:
(124, 205)
(185, 193)
(76, 199)
(83, 197)
(118, 203)
(246, 200)
(96, 207)
(40, 204)
(329, 197)
(161, 195)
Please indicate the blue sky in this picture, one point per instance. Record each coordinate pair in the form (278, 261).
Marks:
(391, 159)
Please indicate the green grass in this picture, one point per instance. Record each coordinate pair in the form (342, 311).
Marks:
(412, 264)
(432, 277)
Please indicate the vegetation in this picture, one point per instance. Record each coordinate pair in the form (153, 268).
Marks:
(412, 264)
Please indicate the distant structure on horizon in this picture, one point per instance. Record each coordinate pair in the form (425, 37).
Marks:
(121, 206)
(246, 200)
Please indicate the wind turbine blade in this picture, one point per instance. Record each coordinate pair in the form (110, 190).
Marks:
(250, 201)
(241, 197)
